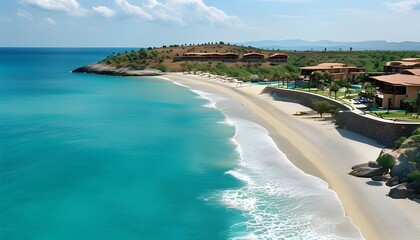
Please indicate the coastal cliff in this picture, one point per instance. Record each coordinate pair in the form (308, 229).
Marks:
(103, 69)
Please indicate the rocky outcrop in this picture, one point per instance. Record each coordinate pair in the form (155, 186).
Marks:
(404, 190)
(381, 178)
(403, 164)
(394, 181)
(367, 170)
(406, 159)
(103, 69)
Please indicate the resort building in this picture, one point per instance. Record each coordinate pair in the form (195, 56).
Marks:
(394, 89)
(278, 58)
(415, 72)
(232, 57)
(253, 57)
(229, 57)
(399, 66)
(338, 71)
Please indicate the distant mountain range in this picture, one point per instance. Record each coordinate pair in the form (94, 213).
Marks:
(302, 45)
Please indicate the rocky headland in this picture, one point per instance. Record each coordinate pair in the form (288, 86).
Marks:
(104, 69)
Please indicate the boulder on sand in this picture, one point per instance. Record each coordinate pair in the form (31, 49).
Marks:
(367, 172)
(394, 181)
(404, 190)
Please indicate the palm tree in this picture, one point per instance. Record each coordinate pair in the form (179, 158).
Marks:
(369, 90)
(291, 76)
(347, 85)
(334, 87)
(286, 77)
(276, 76)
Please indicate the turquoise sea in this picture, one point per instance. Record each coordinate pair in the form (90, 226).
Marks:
(100, 157)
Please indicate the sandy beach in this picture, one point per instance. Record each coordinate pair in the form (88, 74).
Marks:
(316, 147)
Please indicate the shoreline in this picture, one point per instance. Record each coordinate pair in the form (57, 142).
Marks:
(319, 149)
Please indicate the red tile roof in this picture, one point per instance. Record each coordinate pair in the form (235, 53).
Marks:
(278, 54)
(415, 72)
(403, 63)
(250, 55)
(400, 80)
(326, 66)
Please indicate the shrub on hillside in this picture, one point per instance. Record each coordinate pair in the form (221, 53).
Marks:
(161, 68)
(385, 162)
(399, 141)
(414, 176)
(416, 132)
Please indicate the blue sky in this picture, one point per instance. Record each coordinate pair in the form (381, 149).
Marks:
(143, 23)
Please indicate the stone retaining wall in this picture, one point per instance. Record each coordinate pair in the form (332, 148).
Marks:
(383, 131)
(304, 98)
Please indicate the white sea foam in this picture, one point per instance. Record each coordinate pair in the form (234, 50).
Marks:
(209, 97)
(180, 84)
(241, 176)
(282, 201)
(226, 122)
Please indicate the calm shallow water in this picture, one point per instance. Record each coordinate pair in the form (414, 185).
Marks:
(98, 157)
(94, 157)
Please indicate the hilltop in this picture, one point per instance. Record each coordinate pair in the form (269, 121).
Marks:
(164, 59)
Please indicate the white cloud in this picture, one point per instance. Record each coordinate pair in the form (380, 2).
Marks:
(181, 12)
(133, 9)
(403, 6)
(71, 7)
(24, 14)
(104, 11)
(49, 21)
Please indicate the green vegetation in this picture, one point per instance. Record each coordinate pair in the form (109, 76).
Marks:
(399, 142)
(393, 115)
(161, 68)
(416, 132)
(385, 162)
(245, 72)
(418, 101)
(322, 106)
(334, 87)
(414, 176)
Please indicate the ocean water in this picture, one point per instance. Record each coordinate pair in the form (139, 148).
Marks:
(99, 157)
